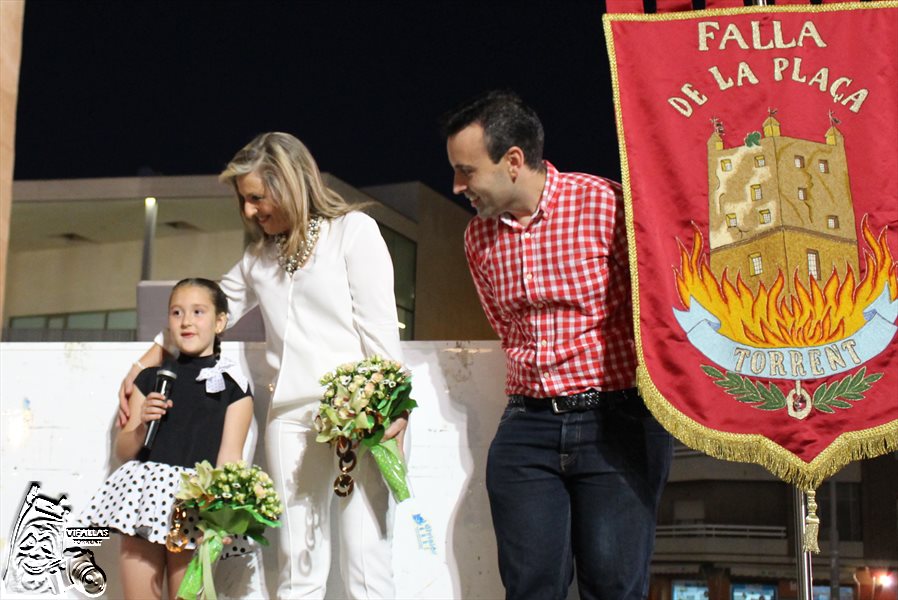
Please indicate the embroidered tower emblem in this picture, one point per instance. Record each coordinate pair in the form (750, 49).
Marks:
(780, 296)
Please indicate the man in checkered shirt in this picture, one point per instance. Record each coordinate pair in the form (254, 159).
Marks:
(576, 468)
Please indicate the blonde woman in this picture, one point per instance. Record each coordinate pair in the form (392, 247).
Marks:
(321, 274)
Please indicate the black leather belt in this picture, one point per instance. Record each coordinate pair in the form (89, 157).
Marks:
(588, 400)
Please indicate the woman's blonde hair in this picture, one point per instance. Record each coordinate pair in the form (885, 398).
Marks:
(293, 181)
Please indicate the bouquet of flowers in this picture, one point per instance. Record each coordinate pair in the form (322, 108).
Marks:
(236, 499)
(360, 403)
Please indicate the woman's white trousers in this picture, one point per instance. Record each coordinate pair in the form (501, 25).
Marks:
(303, 471)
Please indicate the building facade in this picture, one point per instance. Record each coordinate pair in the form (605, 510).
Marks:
(727, 531)
(79, 249)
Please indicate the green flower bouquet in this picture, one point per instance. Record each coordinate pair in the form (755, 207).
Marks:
(236, 499)
(360, 403)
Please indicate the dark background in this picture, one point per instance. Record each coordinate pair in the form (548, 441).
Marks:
(162, 87)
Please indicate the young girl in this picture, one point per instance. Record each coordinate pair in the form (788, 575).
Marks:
(207, 417)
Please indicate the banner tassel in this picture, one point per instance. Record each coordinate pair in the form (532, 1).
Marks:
(811, 525)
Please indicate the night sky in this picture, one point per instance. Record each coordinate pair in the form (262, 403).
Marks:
(125, 88)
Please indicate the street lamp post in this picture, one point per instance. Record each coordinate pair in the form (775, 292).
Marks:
(149, 233)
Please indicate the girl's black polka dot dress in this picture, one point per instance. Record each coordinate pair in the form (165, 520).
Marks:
(138, 498)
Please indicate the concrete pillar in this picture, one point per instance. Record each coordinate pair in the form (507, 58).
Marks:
(12, 13)
(718, 583)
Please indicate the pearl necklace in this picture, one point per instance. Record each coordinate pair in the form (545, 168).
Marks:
(295, 261)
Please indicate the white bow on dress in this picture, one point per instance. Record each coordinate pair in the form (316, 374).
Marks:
(214, 376)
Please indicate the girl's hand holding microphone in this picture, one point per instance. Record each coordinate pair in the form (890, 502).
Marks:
(154, 407)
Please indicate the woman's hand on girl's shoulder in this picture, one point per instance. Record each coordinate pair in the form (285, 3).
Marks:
(124, 395)
(151, 358)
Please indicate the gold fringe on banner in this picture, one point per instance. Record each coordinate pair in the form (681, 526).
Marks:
(758, 449)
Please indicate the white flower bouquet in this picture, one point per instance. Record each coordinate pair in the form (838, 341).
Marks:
(360, 403)
(236, 499)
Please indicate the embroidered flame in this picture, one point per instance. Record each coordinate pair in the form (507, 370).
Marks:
(812, 316)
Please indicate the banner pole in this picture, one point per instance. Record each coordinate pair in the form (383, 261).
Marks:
(834, 570)
(802, 557)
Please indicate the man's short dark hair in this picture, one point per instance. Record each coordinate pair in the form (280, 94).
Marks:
(506, 122)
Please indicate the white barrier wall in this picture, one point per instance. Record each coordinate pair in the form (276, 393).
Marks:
(58, 402)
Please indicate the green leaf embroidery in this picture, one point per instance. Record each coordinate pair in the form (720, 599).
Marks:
(828, 397)
(745, 390)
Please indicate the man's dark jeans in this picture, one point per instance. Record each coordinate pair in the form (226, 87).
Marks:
(578, 486)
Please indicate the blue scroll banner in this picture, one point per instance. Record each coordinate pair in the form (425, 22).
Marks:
(811, 362)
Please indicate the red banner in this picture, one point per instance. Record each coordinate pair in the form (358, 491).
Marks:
(759, 149)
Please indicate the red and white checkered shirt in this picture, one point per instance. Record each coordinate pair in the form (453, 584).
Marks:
(557, 292)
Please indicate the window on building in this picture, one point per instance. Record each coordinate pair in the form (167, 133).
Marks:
(688, 512)
(726, 165)
(764, 215)
(29, 323)
(823, 592)
(756, 192)
(688, 590)
(403, 251)
(799, 161)
(760, 161)
(88, 320)
(753, 591)
(802, 193)
(848, 511)
(823, 165)
(731, 219)
(108, 325)
(757, 267)
(832, 222)
(814, 264)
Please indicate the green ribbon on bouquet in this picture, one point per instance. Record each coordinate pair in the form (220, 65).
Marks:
(392, 467)
(198, 581)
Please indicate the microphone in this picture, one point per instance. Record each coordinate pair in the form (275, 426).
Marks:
(165, 378)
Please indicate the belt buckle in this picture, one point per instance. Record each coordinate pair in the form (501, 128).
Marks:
(555, 408)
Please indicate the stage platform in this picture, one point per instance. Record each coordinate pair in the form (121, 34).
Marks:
(58, 403)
